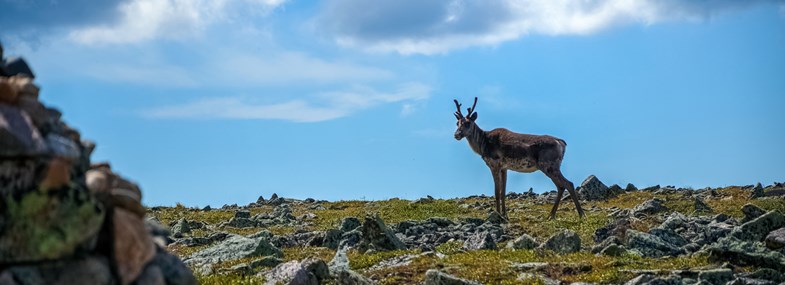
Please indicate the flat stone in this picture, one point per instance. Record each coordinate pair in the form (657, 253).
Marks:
(563, 242)
(435, 277)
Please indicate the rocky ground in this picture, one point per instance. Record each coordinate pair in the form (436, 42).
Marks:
(655, 235)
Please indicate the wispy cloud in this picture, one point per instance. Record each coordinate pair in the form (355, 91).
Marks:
(431, 27)
(144, 20)
(317, 108)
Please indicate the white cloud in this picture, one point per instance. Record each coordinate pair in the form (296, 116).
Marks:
(320, 107)
(144, 20)
(431, 27)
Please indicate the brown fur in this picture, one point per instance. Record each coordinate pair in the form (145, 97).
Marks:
(503, 150)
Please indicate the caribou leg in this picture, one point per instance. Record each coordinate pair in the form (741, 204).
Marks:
(503, 192)
(497, 183)
(574, 195)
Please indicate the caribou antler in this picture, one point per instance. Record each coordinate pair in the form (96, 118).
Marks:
(471, 110)
(458, 114)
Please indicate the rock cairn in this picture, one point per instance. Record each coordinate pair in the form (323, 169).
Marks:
(64, 220)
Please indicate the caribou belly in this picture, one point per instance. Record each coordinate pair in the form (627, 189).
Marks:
(519, 165)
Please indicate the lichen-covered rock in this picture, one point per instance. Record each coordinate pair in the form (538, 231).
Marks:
(481, 240)
(523, 242)
(745, 252)
(436, 277)
(46, 226)
(716, 276)
(669, 236)
(649, 207)
(376, 235)
(593, 189)
(650, 245)
(233, 247)
(180, 228)
(349, 224)
(306, 272)
(613, 250)
(776, 239)
(757, 229)
(563, 242)
(751, 212)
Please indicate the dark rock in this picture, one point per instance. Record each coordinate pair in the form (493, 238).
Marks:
(563, 242)
(611, 240)
(152, 275)
(207, 208)
(88, 270)
(745, 252)
(349, 224)
(630, 188)
(649, 207)
(751, 212)
(435, 277)
(776, 239)
(345, 276)
(650, 245)
(376, 235)
(613, 250)
(351, 238)
(593, 189)
(767, 274)
(481, 240)
(757, 191)
(180, 228)
(174, 271)
(616, 228)
(18, 134)
(240, 223)
(702, 207)
(523, 242)
(757, 229)
(716, 276)
(495, 218)
(669, 236)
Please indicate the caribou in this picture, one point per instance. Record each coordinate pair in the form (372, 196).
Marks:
(503, 150)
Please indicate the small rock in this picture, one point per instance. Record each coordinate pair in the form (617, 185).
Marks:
(650, 245)
(349, 224)
(523, 242)
(776, 239)
(306, 272)
(613, 250)
(757, 229)
(481, 240)
(495, 218)
(563, 242)
(435, 277)
(757, 191)
(180, 228)
(376, 235)
(716, 276)
(593, 189)
(701, 207)
(537, 279)
(234, 247)
(745, 252)
(751, 212)
(649, 207)
(630, 188)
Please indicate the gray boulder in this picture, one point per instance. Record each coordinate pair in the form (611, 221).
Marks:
(776, 239)
(349, 224)
(717, 276)
(751, 212)
(593, 189)
(649, 207)
(435, 277)
(233, 247)
(757, 229)
(180, 228)
(745, 252)
(669, 236)
(523, 242)
(376, 235)
(611, 240)
(613, 250)
(310, 271)
(650, 245)
(563, 242)
(480, 240)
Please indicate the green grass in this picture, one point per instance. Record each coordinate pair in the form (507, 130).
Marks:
(485, 266)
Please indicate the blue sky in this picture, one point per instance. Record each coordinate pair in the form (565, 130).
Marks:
(214, 102)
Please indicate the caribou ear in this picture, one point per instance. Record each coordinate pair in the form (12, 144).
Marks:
(473, 116)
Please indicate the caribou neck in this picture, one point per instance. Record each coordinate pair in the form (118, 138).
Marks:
(478, 139)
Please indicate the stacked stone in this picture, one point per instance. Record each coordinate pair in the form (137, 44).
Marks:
(62, 220)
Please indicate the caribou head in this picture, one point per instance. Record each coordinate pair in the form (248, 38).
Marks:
(465, 123)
